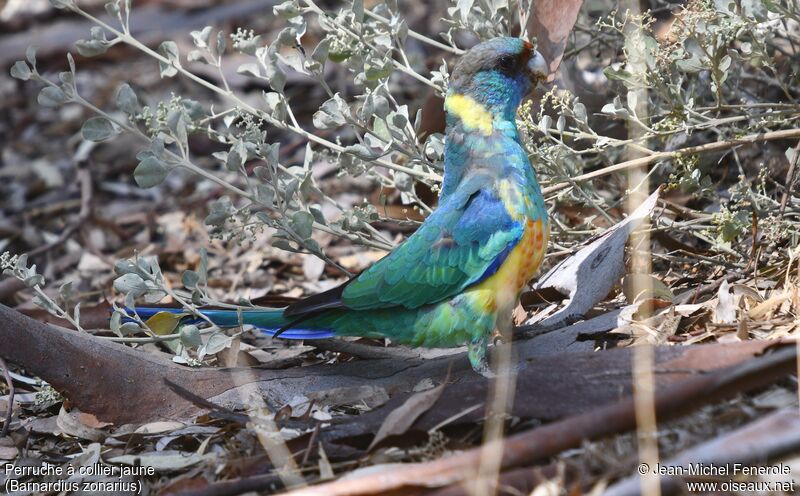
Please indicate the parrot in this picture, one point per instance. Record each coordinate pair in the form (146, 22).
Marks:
(457, 279)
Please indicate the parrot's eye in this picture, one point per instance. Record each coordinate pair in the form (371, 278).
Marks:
(507, 63)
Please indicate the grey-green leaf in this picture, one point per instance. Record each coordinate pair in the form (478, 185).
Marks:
(190, 279)
(92, 48)
(129, 328)
(190, 336)
(150, 172)
(51, 96)
(302, 223)
(97, 129)
(130, 283)
(20, 70)
(169, 50)
(127, 100)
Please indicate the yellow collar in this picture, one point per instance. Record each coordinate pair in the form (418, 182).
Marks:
(471, 113)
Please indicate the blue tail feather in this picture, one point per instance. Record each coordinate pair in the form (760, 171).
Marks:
(267, 321)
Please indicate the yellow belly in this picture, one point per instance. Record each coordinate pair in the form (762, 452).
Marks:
(500, 292)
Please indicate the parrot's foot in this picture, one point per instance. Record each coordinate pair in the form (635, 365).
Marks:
(476, 351)
(479, 359)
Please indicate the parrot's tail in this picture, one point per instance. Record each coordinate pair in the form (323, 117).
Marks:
(268, 321)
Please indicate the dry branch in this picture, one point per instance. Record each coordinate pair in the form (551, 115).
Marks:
(689, 150)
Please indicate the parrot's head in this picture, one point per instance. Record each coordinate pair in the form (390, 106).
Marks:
(497, 74)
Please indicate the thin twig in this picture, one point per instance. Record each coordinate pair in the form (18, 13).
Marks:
(691, 150)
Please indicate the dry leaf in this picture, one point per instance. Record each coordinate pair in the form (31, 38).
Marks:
(654, 330)
(159, 427)
(743, 290)
(689, 309)
(164, 323)
(403, 417)
(163, 461)
(760, 310)
(71, 423)
(638, 287)
(8, 452)
(229, 356)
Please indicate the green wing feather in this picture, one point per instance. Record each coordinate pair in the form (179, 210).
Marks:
(461, 243)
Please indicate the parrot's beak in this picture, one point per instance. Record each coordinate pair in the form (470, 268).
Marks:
(538, 69)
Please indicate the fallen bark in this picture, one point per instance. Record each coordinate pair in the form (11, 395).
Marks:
(589, 380)
(528, 447)
(122, 385)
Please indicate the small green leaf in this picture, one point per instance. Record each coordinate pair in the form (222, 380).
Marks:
(288, 10)
(129, 328)
(190, 279)
(221, 43)
(65, 292)
(62, 4)
(302, 223)
(116, 317)
(131, 284)
(216, 343)
(51, 96)
(363, 152)
(30, 54)
(92, 48)
(169, 50)
(250, 68)
(150, 172)
(34, 280)
(97, 129)
(332, 113)
(237, 156)
(112, 8)
(283, 244)
(190, 336)
(20, 70)
(127, 100)
(200, 38)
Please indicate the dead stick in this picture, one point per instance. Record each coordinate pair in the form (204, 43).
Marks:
(10, 408)
(691, 150)
(529, 447)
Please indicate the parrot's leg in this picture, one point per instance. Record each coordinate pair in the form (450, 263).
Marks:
(476, 351)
